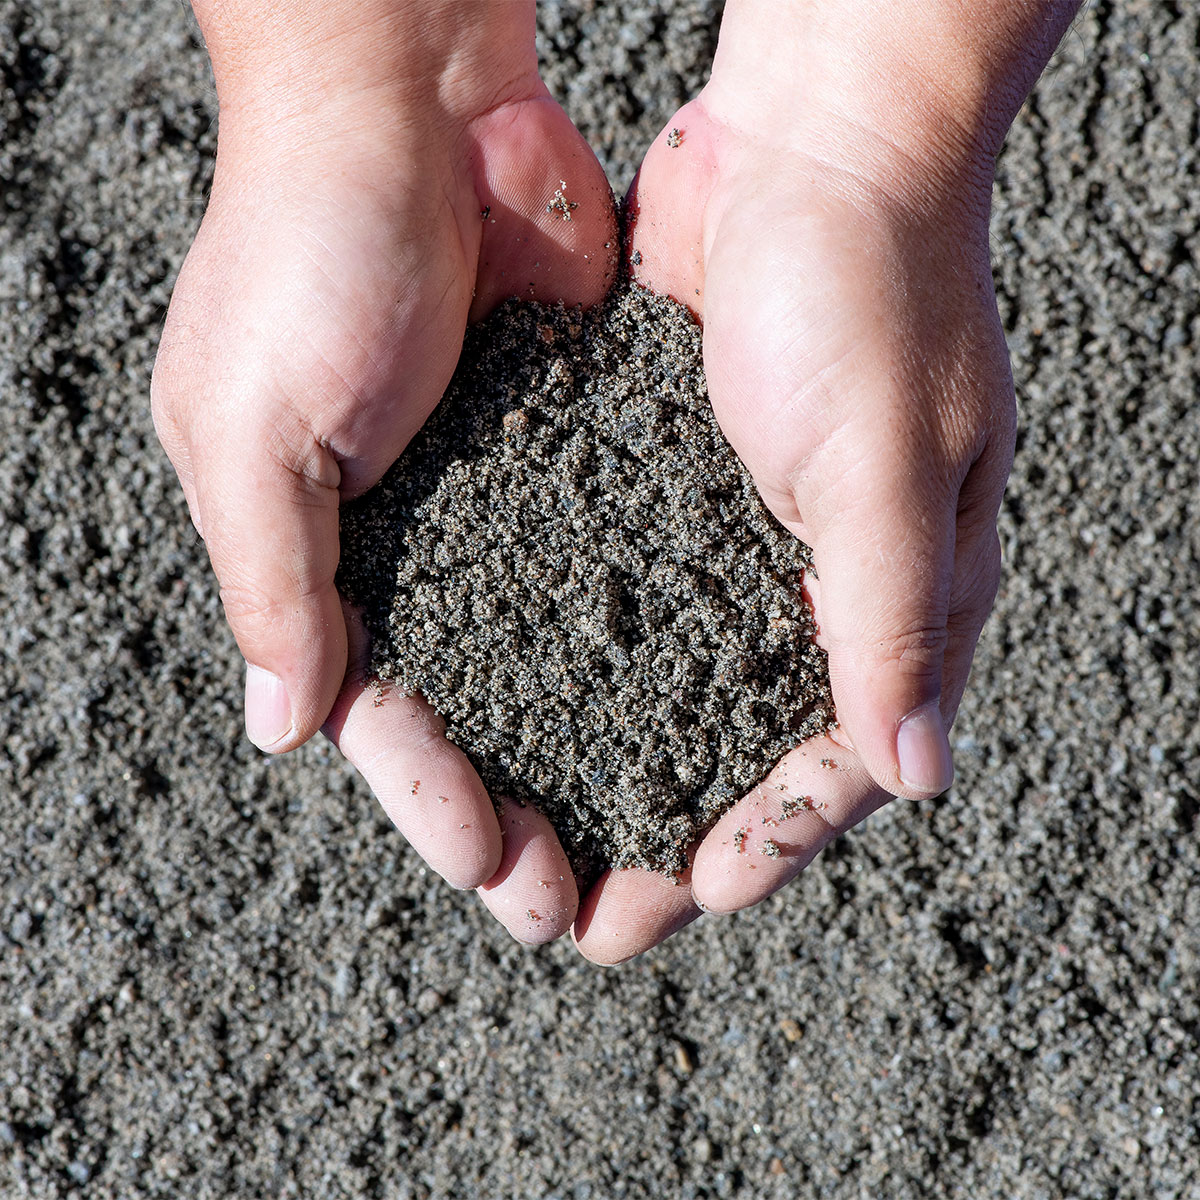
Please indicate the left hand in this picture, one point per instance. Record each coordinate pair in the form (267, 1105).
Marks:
(382, 177)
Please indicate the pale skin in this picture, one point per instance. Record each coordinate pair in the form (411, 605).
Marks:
(383, 173)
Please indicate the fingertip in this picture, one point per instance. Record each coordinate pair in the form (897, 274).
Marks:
(742, 861)
(476, 861)
(889, 715)
(532, 891)
(284, 707)
(772, 834)
(627, 912)
(269, 722)
(424, 783)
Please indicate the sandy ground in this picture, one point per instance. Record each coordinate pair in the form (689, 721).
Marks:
(224, 976)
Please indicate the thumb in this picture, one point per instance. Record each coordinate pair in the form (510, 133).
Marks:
(269, 516)
(884, 571)
(270, 398)
(854, 386)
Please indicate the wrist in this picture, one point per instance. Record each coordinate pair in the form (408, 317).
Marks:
(410, 68)
(930, 86)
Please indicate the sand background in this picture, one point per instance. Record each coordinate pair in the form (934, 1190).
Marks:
(226, 976)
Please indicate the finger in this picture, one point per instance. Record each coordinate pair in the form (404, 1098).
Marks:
(532, 893)
(663, 235)
(627, 912)
(878, 504)
(173, 440)
(977, 560)
(886, 567)
(425, 783)
(907, 577)
(816, 792)
(851, 459)
(266, 440)
(269, 511)
(976, 579)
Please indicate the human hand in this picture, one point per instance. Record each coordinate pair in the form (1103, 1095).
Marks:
(383, 173)
(823, 207)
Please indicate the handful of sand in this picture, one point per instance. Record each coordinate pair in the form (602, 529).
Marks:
(574, 568)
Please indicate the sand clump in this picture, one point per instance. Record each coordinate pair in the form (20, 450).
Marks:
(575, 569)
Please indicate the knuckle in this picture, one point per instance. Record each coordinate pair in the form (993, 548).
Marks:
(822, 473)
(1006, 432)
(917, 653)
(990, 568)
(178, 367)
(257, 611)
(167, 417)
(978, 579)
(304, 458)
(273, 444)
(160, 397)
(251, 611)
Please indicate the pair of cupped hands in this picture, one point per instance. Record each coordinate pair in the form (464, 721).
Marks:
(380, 184)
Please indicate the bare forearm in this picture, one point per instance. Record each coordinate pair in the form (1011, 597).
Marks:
(295, 55)
(912, 71)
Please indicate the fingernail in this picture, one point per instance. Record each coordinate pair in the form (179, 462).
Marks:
(923, 751)
(268, 710)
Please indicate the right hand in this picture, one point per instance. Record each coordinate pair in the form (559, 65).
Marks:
(316, 323)
(824, 211)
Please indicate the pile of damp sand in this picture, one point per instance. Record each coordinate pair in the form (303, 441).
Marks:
(574, 568)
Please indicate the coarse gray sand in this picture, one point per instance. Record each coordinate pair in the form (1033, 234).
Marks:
(225, 976)
(574, 568)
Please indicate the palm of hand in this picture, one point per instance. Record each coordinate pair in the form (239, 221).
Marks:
(856, 364)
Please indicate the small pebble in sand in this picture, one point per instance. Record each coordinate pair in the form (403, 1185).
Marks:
(560, 204)
(790, 1028)
(684, 1063)
(429, 1001)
